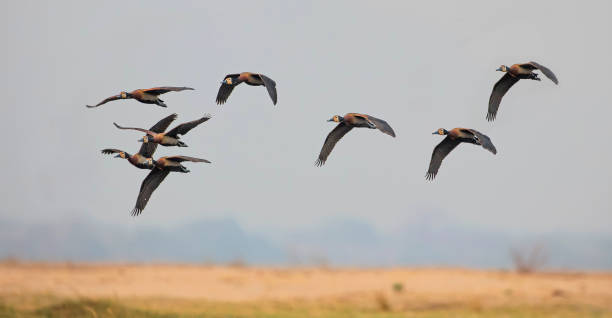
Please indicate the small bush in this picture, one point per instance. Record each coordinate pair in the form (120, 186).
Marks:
(398, 287)
(528, 260)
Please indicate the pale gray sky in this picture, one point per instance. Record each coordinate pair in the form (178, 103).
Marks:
(420, 66)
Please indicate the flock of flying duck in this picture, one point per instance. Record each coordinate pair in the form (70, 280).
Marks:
(157, 134)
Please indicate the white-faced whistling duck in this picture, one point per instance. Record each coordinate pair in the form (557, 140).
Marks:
(345, 124)
(253, 79)
(147, 96)
(163, 166)
(513, 74)
(137, 159)
(453, 138)
(142, 159)
(170, 138)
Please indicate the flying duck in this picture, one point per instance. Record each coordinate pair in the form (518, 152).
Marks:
(453, 138)
(513, 74)
(142, 159)
(345, 124)
(163, 166)
(232, 80)
(147, 96)
(170, 138)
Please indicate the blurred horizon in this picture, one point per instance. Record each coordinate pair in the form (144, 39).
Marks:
(428, 240)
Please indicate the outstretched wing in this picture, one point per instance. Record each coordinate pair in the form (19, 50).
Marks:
(164, 89)
(270, 86)
(226, 89)
(110, 99)
(439, 153)
(163, 124)
(186, 127)
(382, 126)
(484, 141)
(133, 128)
(149, 184)
(148, 148)
(109, 151)
(186, 158)
(545, 70)
(331, 140)
(499, 90)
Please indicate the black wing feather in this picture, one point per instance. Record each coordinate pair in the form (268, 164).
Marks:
(112, 98)
(546, 71)
(439, 153)
(484, 141)
(186, 127)
(149, 184)
(224, 92)
(164, 89)
(382, 126)
(270, 86)
(499, 90)
(186, 158)
(109, 151)
(331, 140)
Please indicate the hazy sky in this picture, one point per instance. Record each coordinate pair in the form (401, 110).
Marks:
(420, 66)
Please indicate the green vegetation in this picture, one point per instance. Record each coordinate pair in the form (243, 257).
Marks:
(113, 309)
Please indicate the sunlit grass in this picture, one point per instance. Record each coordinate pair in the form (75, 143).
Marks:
(112, 309)
(43, 290)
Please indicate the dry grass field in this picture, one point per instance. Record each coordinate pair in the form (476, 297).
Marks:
(110, 290)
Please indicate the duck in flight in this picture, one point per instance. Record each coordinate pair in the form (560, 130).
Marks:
(513, 74)
(345, 124)
(453, 138)
(162, 167)
(147, 96)
(232, 80)
(170, 138)
(142, 159)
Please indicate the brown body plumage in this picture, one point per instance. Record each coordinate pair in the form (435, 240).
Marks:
(137, 159)
(142, 159)
(163, 166)
(232, 80)
(513, 74)
(453, 138)
(345, 124)
(170, 138)
(144, 95)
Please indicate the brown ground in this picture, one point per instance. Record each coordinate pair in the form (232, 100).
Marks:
(426, 287)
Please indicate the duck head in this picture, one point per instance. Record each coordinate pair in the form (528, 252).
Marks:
(336, 118)
(440, 131)
(502, 68)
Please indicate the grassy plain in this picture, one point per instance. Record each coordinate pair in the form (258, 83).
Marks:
(159, 290)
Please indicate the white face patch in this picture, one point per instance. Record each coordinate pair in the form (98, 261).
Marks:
(123, 95)
(228, 80)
